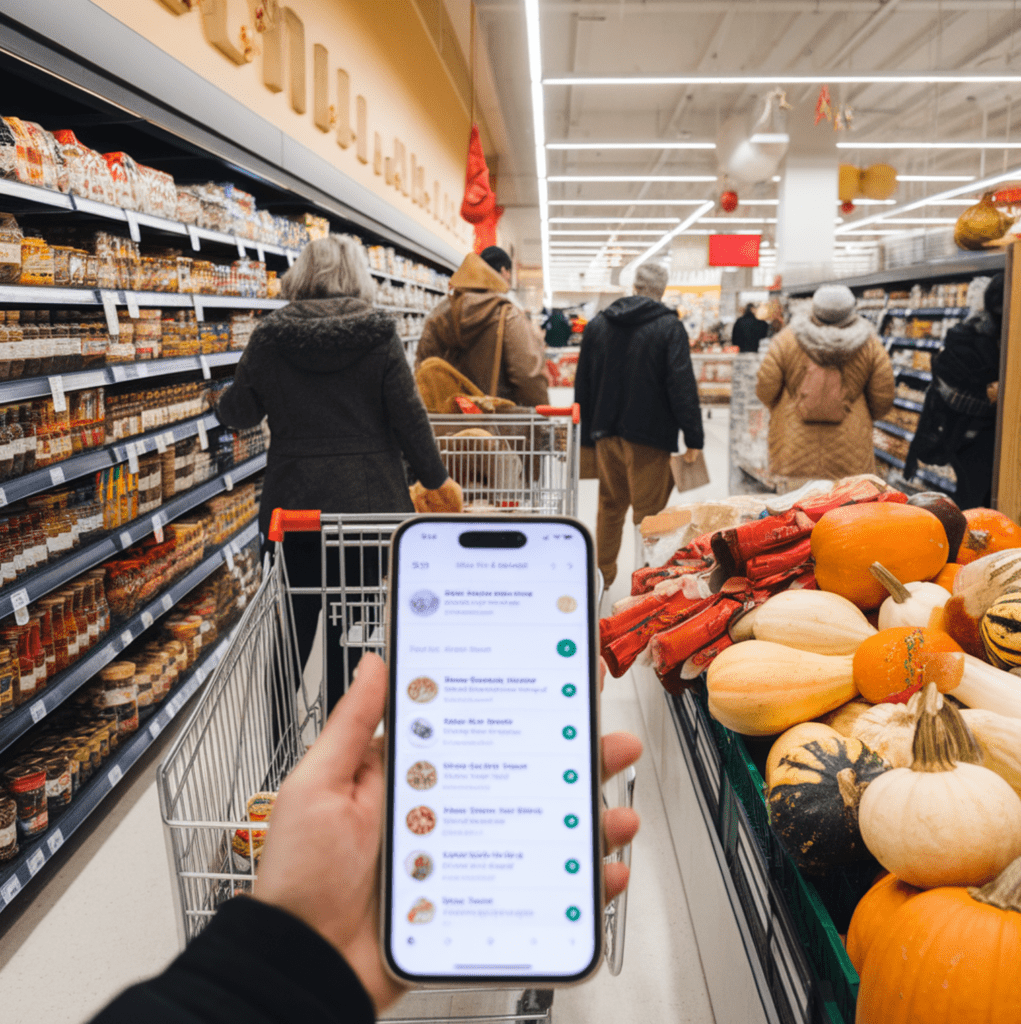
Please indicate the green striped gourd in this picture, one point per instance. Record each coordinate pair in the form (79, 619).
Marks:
(1001, 630)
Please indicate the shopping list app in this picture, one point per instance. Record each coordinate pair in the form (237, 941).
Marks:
(493, 866)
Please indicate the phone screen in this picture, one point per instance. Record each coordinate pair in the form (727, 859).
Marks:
(492, 858)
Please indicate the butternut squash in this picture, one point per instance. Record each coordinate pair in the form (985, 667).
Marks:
(811, 620)
(988, 688)
(760, 688)
(999, 739)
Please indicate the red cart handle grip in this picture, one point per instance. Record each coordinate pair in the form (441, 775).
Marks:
(574, 411)
(288, 521)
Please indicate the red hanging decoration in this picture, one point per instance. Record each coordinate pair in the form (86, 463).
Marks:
(824, 105)
(485, 233)
(728, 201)
(847, 207)
(479, 199)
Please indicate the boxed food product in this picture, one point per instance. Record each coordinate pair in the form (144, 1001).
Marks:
(88, 173)
(157, 193)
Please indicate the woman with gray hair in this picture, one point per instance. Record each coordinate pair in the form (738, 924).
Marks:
(330, 374)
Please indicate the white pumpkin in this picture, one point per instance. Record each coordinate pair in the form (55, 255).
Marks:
(889, 730)
(909, 604)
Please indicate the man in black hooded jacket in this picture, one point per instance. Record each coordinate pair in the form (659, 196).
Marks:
(637, 390)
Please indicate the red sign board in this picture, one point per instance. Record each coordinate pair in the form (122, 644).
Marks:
(734, 250)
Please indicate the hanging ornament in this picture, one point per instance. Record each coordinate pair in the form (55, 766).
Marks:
(728, 201)
(265, 15)
(248, 44)
(824, 105)
(847, 207)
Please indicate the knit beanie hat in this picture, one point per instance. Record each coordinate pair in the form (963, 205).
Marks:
(834, 304)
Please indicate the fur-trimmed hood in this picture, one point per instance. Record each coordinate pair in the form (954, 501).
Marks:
(324, 335)
(827, 344)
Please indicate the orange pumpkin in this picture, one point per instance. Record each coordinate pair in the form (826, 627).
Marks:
(988, 531)
(908, 540)
(946, 576)
(892, 665)
(872, 915)
(948, 956)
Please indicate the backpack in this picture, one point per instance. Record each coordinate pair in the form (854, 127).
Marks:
(820, 398)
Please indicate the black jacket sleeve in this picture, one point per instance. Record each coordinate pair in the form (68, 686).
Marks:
(584, 382)
(409, 421)
(253, 963)
(240, 405)
(682, 388)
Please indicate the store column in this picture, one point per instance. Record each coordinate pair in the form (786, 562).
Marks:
(806, 214)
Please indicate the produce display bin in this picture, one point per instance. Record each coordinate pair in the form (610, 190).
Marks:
(782, 958)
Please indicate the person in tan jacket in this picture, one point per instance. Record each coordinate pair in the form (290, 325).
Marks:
(825, 378)
(464, 330)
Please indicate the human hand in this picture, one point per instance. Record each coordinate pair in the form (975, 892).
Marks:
(447, 498)
(321, 858)
(993, 391)
(691, 455)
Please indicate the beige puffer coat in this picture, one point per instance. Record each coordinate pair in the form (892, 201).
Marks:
(825, 450)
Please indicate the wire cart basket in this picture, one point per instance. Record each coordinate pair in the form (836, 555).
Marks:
(257, 716)
(522, 461)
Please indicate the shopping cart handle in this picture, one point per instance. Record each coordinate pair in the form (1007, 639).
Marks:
(290, 521)
(574, 411)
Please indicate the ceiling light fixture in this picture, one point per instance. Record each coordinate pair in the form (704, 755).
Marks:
(614, 220)
(737, 220)
(634, 202)
(670, 235)
(896, 211)
(771, 139)
(979, 144)
(630, 145)
(539, 130)
(606, 232)
(632, 177)
(935, 177)
(820, 78)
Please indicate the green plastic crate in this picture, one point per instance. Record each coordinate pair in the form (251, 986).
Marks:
(818, 910)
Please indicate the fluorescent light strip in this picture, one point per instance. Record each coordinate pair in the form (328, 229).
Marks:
(670, 235)
(630, 145)
(539, 130)
(737, 220)
(974, 186)
(921, 220)
(979, 144)
(614, 220)
(606, 232)
(821, 78)
(633, 202)
(935, 177)
(632, 177)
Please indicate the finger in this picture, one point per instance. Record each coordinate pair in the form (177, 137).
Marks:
(348, 731)
(620, 826)
(620, 751)
(615, 879)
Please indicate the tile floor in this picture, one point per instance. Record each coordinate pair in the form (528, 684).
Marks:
(105, 917)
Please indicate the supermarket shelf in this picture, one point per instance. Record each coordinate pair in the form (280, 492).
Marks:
(404, 309)
(79, 204)
(929, 343)
(35, 855)
(932, 270)
(40, 582)
(906, 403)
(961, 311)
(903, 371)
(922, 474)
(383, 276)
(892, 428)
(96, 459)
(20, 294)
(73, 678)
(117, 373)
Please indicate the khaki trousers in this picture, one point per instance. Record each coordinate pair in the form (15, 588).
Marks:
(629, 474)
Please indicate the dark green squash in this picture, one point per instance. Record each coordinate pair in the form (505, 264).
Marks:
(813, 802)
(946, 511)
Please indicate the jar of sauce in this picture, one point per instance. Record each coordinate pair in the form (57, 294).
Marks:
(27, 784)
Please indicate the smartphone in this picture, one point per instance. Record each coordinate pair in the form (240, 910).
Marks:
(492, 868)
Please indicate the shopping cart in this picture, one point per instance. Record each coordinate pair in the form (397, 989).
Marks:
(523, 461)
(257, 716)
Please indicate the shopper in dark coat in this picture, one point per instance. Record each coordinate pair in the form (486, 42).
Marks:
(331, 376)
(306, 948)
(637, 390)
(958, 420)
(749, 330)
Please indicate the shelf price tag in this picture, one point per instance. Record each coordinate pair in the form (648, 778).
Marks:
(147, 619)
(109, 300)
(242, 252)
(3, 498)
(114, 775)
(260, 253)
(19, 602)
(56, 475)
(290, 258)
(57, 390)
(203, 436)
(204, 366)
(141, 369)
(131, 299)
(55, 840)
(157, 527)
(228, 481)
(125, 539)
(200, 311)
(155, 728)
(35, 862)
(193, 234)
(229, 556)
(161, 443)
(10, 888)
(136, 235)
(38, 711)
(167, 602)
(132, 458)
(126, 638)
(119, 376)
